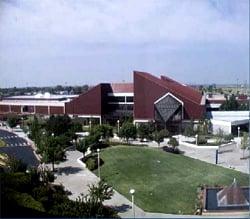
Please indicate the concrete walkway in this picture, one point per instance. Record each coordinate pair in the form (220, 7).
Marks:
(75, 178)
(230, 159)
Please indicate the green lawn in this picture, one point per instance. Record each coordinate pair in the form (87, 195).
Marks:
(163, 182)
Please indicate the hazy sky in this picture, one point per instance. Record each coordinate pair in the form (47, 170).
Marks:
(50, 42)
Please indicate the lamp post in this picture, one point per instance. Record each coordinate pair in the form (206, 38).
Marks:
(132, 192)
(238, 131)
(118, 126)
(98, 157)
(90, 123)
(196, 139)
(53, 159)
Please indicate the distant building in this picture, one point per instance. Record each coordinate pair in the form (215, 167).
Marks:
(44, 104)
(162, 100)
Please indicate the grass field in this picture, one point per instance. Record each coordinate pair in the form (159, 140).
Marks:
(163, 182)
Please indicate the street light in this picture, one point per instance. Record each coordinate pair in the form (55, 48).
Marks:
(90, 122)
(53, 162)
(98, 155)
(118, 126)
(196, 139)
(132, 192)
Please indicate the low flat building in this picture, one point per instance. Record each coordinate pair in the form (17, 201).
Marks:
(229, 121)
(44, 104)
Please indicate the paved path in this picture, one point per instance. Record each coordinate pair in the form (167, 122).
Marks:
(76, 178)
(230, 159)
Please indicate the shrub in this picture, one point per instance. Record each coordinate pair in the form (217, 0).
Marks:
(171, 150)
(201, 139)
(188, 131)
(228, 137)
(25, 200)
(13, 121)
(16, 165)
(91, 163)
(173, 142)
(128, 130)
(16, 181)
(113, 143)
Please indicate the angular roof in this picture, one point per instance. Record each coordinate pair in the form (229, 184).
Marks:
(231, 196)
(175, 87)
(122, 87)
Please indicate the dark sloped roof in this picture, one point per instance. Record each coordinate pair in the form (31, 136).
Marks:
(175, 87)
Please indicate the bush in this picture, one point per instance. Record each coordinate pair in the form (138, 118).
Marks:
(128, 130)
(173, 142)
(228, 137)
(114, 143)
(171, 150)
(188, 131)
(201, 139)
(16, 165)
(16, 181)
(26, 200)
(91, 163)
(13, 121)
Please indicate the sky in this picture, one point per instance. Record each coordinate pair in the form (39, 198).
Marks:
(76, 42)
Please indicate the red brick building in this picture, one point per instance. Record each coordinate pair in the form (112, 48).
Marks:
(149, 98)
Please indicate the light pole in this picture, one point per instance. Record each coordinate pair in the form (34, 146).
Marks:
(98, 157)
(132, 192)
(90, 122)
(53, 160)
(118, 126)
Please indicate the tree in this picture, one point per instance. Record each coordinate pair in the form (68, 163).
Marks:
(102, 131)
(128, 130)
(188, 131)
(173, 143)
(82, 146)
(145, 130)
(220, 136)
(203, 127)
(16, 165)
(100, 192)
(13, 121)
(159, 136)
(35, 130)
(244, 143)
(58, 124)
(52, 151)
(230, 104)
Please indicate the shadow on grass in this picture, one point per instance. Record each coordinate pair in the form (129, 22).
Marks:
(172, 150)
(122, 208)
(67, 170)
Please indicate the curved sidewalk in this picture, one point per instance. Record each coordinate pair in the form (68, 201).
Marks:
(75, 177)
